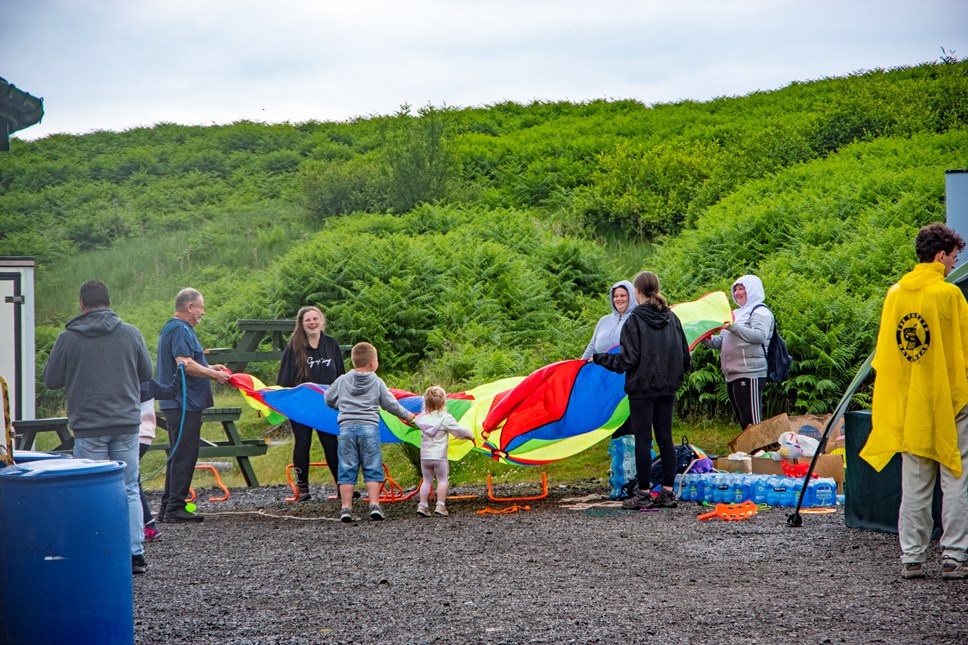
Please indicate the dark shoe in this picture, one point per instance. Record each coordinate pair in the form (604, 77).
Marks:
(665, 499)
(302, 493)
(346, 515)
(912, 571)
(138, 564)
(181, 516)
(951, 569)
(376, 513)
(637, 500)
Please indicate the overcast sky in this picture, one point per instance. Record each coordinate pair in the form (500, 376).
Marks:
(120, 64)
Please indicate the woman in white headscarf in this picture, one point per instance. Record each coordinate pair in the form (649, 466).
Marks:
(743, 346)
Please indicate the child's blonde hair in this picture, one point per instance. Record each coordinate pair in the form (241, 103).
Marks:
(435, 399)
(362, 354)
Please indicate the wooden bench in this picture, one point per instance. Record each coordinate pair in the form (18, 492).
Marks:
(235, 446)
(26, 432)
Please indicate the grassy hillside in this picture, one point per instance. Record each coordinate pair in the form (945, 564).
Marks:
(477, 243)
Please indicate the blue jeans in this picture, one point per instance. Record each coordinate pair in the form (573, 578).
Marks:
(359, 446)
(123, 447)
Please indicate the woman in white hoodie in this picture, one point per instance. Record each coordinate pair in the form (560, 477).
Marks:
(609, 330)
(743, 346)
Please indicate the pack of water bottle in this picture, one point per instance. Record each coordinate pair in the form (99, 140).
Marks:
(733, 488)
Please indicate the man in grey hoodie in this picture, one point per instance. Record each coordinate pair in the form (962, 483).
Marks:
(101, 362)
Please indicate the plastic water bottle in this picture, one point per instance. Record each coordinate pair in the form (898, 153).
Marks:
(695, 486)
(825, 492)
(774, 489)
(740, 489)
(759, 488)
(796, 488)
(682, 486)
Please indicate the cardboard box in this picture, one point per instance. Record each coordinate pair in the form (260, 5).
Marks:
(812, 425)
(827, 466)
(734, 465)
(762, 436)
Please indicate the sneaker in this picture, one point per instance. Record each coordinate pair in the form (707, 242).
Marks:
(636, 501)
(912, 570)
(151, 534)
(665, 499)
(180, 516)
(423, 510)
(346, 515)
(376, 513)
(138, 564)
(441, 510)
(952, 569)
(302, 493)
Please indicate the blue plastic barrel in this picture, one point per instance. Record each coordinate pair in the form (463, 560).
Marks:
(27, 456)
(65, 557)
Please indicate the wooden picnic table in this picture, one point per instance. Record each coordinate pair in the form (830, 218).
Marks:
(234, 445)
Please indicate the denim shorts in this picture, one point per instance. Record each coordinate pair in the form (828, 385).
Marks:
(359, 447)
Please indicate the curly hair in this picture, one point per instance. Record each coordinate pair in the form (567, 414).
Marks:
(935, 238)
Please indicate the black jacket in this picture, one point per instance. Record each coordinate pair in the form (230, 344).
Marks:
(654, 353)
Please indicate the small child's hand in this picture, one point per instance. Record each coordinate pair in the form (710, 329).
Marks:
(412, 417)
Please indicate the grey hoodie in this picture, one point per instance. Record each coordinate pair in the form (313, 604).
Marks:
(744, 343)
(101, 362)
(609, 328)
(359, 396)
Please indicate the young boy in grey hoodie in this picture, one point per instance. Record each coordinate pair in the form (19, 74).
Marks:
(358, 395)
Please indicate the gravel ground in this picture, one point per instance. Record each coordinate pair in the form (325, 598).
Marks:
(260, 570)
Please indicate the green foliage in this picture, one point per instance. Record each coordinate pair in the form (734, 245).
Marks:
(508, 222)
(463, 295)
(416, 153)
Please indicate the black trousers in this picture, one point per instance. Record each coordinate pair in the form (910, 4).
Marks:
(146, 515)
(746, 397)
(302, 441)
(181, 467)
(648, 415)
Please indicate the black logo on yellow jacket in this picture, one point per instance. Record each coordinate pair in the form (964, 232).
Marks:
(913, 336)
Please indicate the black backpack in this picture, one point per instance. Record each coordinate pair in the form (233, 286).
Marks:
(778, 359)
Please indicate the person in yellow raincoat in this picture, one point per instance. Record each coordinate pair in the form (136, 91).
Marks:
(920, 399)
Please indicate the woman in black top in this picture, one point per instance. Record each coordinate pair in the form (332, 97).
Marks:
(654, 357)
(310, 357)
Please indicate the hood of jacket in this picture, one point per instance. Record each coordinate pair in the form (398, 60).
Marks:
(361, 382)
(96, 322)
(755, 295)
(652, 315)
(922, 275)
(611, 297)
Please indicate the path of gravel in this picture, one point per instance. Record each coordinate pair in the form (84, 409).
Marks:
(545, 575)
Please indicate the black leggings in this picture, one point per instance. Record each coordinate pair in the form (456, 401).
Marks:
(648, 415)
(302, 441)
(746, 397)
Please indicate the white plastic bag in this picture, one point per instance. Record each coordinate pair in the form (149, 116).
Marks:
(794, 446)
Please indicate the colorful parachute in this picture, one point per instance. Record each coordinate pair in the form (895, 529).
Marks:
(554, 413)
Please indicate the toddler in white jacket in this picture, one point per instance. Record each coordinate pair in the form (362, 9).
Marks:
(436, 424)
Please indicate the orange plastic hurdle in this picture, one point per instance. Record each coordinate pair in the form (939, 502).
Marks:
(218, 482)
(529, 498)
